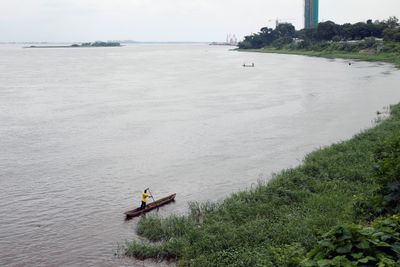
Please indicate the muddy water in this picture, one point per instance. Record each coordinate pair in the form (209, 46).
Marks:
(83, 131)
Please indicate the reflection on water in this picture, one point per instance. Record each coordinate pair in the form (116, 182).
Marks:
(83, 131)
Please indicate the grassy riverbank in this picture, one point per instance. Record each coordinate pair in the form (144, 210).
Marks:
(389, 57)
(370, 40)
(278, 222)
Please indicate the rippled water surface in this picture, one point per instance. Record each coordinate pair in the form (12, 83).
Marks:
(83, 131)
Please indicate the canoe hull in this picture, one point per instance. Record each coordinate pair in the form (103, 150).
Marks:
(151, 206)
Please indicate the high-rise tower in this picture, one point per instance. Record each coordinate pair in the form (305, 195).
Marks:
(311, 14)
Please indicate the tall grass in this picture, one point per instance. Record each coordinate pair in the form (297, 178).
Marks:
(276, 223)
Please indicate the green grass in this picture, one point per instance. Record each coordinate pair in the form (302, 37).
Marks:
(276, 223)
(389, 57)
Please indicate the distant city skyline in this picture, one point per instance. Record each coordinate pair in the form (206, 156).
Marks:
(168, 20)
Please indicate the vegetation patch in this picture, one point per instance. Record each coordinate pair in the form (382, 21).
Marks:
(371, 41)
(277, 223)
(354, 245)
(391, 54)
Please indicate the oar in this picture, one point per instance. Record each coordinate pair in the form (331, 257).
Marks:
(151, 195)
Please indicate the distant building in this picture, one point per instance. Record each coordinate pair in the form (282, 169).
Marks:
(231, 39)
(311, 8)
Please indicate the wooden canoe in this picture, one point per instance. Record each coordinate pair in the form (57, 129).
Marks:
(151, 206)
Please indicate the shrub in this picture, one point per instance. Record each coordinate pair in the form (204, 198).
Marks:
(354, 245)
(157, 229)
(388, 158)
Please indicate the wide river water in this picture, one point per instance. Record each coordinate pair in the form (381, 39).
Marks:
(83, 131)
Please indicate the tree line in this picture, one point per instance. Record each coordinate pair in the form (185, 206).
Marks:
(329, 31)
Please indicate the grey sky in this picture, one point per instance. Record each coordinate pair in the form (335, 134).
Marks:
(167, 20)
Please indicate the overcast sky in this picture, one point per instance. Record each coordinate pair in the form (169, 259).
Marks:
(167, 20)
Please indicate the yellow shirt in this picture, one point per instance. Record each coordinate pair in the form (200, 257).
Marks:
(144, 197)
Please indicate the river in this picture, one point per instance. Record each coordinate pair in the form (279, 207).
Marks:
(84, 130)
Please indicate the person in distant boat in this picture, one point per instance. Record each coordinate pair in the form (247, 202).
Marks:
(145, 196)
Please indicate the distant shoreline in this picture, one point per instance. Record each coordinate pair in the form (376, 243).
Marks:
(83, 45)
(385, 57)
(67, 46)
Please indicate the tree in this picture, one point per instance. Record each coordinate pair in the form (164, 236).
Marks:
(361, 30)
(284, 33)
(392, 22)
(391, 34)
(327, 30)
(346, 31)
(267, 35)
(285, 30)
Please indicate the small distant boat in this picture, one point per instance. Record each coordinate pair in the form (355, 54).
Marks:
(151, 206)
(248, 65)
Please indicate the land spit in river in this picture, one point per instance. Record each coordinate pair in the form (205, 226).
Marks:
(84, 131)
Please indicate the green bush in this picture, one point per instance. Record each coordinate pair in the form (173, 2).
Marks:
(385, 199)
(388, 158)
(354, 245)
(289, 256)
(155, 229)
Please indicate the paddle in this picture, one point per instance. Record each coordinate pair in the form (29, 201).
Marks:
(151, 195)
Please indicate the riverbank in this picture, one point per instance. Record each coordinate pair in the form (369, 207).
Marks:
(278, 222)
(387, 57)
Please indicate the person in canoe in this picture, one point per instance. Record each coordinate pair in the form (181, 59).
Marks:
(145, 197)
